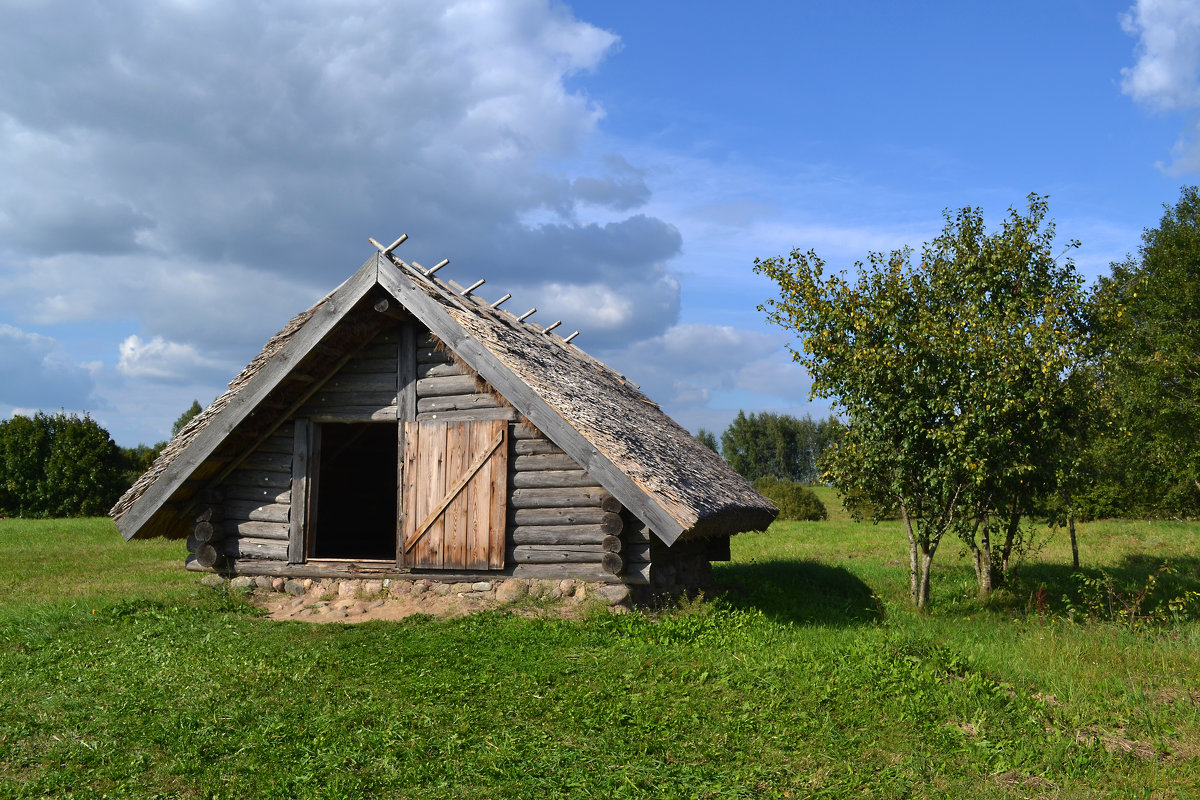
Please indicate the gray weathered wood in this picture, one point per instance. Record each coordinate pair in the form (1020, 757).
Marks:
(430, 355)
(207, 555)
(525, 431)
(297, 526)
(636, 573)
(612, 544)
(210, 513)
(554, 479)
(262, 479)
(582, 497)
(258, 512)
(259, 493)
(546, 461)
(273, 462)
(612, 563)
(406, 411)
(255, 548)
(591, 572)
(207, 531)
(442, 369)
(353, 414)
(454, 385)
(539, 446)
(523, 397)
(279, 442)
(527, 554)
(637, 536)
(636, 552)
(558, 534)
(501, 412)
(325, 399)
(384, 365)
(564, 516)
(359, 382)
(461, 402)
(260, 530)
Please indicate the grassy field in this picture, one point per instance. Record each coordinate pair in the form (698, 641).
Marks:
(120, 676)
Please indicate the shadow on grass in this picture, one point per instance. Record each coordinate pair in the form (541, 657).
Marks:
(804, 592)
(1057, 588)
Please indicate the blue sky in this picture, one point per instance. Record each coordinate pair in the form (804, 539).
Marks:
(177, 179)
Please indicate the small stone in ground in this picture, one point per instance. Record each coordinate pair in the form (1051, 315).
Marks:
(511, 591)
(461, 588)
(349, 588)
(555, 593)
(213, 580)
(566, 587)
(612, 594)
(618, 610)
(580, 593)
(278, 584)
(243, 582)
(372, 588)
(441, 588)
(377, 604)
(294, 588)
(263, 582)
(400, 588)
(481, 586)
(297, 603)
(337, 614)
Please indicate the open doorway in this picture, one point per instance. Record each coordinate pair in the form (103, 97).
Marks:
(356, 492)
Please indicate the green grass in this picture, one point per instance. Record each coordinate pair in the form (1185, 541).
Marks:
(120, 676)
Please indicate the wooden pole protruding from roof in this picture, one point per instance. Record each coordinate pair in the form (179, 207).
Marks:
(572, 336)
(527, 314)
(436, 267)
(552, 327)
(473, 287)
(502, 300)
(387, 251)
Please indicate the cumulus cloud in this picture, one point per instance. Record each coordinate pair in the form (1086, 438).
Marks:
(37, 374)
(163, 361)
(1166, 75)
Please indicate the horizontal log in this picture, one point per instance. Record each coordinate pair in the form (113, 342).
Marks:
(544, 461)
(433, 355)
(520, 555)
(361, 382)
(258, 530)
(260, 478)
(636, 573)
(458, 402)
(592, 573)
(582, 497)
(274, 462)
(354, 414)
(255, 548)
(553, 479)
(500, 412)
(277, 444)
(208, 514)
(261, 494)
(613, 563)
(449, 386)
(377, 366)
(558, 534)
(427, 339)
(379, 350)
(257, 512)
(324, 399)
(636, 552)
(526, 431)
(534, 447)
(565, 516)
(441, 369)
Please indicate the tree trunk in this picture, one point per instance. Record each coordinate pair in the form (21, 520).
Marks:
(914, 579)
(1010, 539)
(922, 597)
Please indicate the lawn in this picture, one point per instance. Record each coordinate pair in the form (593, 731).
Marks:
(810, 677)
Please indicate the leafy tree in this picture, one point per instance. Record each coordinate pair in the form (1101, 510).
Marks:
(186, 417)
(777, 445)
(794, 500)
(950, 374)
(1147, 314)
(708, 439)
(57, 465)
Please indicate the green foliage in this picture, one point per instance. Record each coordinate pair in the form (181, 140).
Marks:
(777, 445)
(1147, 317)
(794, 500)
(951, 374)
(187, 416)
(57, 465)
(136, 460)
(708, 439)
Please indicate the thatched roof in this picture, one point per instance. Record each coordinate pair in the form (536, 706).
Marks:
(659, 471)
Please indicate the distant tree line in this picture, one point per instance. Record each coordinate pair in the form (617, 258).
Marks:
(66, 465)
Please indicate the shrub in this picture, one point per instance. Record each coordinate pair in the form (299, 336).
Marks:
(794, 500)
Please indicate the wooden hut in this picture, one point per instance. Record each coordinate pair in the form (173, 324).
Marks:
(403, 426)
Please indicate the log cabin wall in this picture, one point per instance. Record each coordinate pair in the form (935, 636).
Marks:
(364, 389)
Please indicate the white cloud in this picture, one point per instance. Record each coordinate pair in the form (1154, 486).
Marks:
(37, 374)
(163, 361)
(1166, 75)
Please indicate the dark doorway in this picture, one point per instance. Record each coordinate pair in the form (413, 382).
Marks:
(356, 492)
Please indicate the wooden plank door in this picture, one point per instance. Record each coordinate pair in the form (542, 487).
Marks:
(455, 494)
